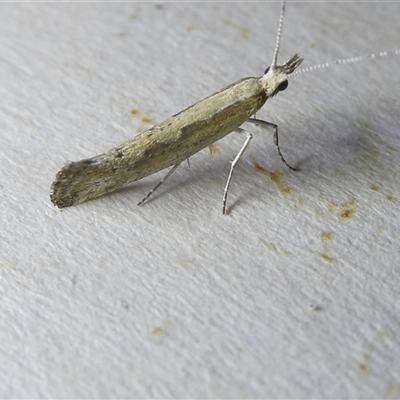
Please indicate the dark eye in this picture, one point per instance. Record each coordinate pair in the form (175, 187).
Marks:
(283, 86)
(267, 70)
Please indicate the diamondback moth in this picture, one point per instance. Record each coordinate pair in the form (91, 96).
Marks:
(184, 134)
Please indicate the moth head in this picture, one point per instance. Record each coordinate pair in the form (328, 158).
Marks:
(275, 78)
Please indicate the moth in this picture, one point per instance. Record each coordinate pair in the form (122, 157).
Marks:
(179, 137)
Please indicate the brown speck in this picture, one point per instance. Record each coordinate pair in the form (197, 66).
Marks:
(125, 305)
(394, 388)
(326, 236)
(213, 147)
(343, 210)
(270, 245)
(363, 368)
(374, 187)
(327, 257)
(189, 28)
(346, 214)
(146, 120)
(143, 115)
(157, 331)
(243, 31)
(259, 168)
(275, 247)
(315, 307)
(275, 177)
(389, 197)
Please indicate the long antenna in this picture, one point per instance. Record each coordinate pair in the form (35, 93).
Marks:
(278, 36)
(349, 60)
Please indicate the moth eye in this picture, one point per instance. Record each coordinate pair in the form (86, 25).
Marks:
(283, 86)
(267, 70)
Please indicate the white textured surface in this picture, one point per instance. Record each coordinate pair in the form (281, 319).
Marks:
(294, 294)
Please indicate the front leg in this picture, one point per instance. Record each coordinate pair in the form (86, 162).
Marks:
(276, 139)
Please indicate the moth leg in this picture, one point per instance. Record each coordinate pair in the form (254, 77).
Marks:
(276, 139)
(170, 172)
(233, 164)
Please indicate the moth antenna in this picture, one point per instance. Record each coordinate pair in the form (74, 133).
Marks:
(278, 35)
(349, 60)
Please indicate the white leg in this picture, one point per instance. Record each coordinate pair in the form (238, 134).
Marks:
(233, 165)
(170, 172)
(276, 139)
